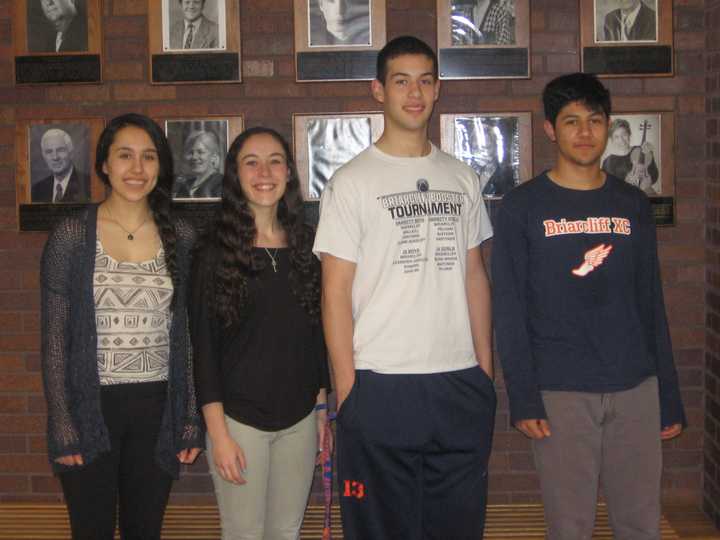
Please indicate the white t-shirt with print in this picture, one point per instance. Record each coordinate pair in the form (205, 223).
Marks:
(407, 224)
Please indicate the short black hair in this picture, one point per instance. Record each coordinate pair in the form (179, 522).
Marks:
(400, 46)
(582, 87)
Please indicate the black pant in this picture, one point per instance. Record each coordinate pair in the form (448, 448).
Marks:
(413, 452)
(128, 473)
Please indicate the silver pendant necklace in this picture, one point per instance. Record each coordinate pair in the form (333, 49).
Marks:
(272, 258)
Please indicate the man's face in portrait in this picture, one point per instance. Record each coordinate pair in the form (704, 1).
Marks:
(57, 151)
(56, 10)
(192, 9)
(337, 14)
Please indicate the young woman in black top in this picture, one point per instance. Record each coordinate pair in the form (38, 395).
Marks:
(260, 363)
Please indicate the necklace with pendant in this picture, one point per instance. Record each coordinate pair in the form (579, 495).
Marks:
(273, 261)
(130, 234)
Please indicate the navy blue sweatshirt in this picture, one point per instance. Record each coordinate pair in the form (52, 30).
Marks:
(577, 297)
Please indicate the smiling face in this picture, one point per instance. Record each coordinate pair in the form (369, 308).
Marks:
(202, 156)
(621, 139)
(132, 164)
(408, 93)
(263, 172)
(192, 9)
(580, 134)
(57, 151)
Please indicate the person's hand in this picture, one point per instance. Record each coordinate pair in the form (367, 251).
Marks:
(325, 437)
(648, 149)
(534, 428)
(229, 460)
(70, 461)
(188, 455)
(342, 392)
(670, 432)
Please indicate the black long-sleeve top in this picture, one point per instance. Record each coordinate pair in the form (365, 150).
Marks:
(267, 369)
(600, 329)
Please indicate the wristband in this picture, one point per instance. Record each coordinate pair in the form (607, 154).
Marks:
(321, 406)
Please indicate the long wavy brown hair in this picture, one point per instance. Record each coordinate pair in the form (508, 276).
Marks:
(235, 236)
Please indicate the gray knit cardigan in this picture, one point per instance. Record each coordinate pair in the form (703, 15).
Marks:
(75, 423)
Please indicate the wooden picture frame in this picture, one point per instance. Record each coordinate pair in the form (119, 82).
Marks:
(652, 171)
(337, 49)
(199, 146)
(46, 149)
(614, 47)
(483, 39)
(209, 54)
(325, 142)
(498, 146)
(61, 44)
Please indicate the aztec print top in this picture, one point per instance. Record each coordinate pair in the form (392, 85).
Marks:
(132, 314)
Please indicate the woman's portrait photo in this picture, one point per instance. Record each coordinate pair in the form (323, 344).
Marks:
(633, 151)
(199, 148)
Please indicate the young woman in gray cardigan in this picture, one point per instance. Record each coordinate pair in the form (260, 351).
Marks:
(116, 364)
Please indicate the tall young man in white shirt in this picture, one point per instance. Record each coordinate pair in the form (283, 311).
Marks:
(406, 312)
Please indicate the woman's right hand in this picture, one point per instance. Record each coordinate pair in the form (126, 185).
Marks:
(229, 460)
(70, 461)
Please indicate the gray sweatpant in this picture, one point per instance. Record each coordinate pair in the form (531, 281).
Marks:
(613, 439)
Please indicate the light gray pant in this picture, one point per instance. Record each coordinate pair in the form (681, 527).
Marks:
(280, 466)
(612, 438)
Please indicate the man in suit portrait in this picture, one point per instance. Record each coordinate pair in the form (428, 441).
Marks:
(633, 20)
(195, 31)
(60, 27)
(65, 183)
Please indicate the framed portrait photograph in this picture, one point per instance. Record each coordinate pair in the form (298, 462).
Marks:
(57, 41)
(483, 39)
(55, 163)
(640, 152)
(626, 37)
(199, 147)
(338, 40)
(194, 41)
(498, 146)
(325, 142)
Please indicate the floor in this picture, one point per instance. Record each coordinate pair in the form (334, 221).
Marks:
(20, 521)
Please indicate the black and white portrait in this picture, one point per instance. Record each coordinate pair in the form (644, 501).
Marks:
(193, 25)
(491, 146)
(59, 163)
(343, 23)
(199, 148)
(59, 26)
(482, 22)
(633, 151)
(332, 142)
(626, 21)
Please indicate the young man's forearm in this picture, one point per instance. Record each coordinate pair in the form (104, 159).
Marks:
(337, 321)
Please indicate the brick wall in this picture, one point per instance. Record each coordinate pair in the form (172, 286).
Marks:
(269, 96)
(711, 491)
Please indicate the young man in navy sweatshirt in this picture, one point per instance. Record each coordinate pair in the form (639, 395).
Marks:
(581, 327)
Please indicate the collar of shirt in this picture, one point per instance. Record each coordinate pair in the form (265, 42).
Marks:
(58, 41)
(630, 19)
(195, 24)
(63, 181)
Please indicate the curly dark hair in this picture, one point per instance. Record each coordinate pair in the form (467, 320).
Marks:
(235, 236)
(160, 197)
